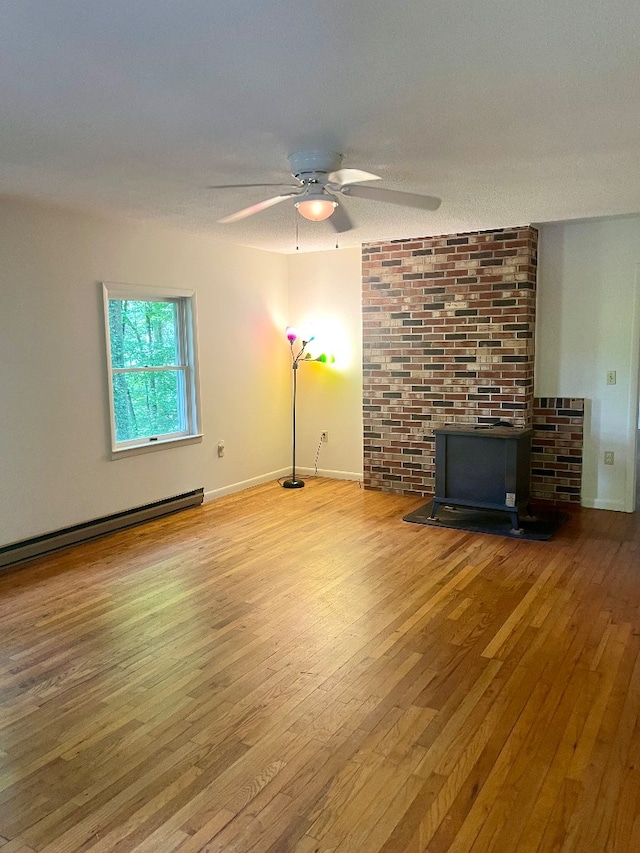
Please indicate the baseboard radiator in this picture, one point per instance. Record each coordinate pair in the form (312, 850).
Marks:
(27, 549)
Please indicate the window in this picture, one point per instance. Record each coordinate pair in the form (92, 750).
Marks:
(151, 354)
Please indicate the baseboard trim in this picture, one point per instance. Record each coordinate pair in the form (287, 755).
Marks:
(612, 506)
(332, 475)
(38, 546)
(232, 488)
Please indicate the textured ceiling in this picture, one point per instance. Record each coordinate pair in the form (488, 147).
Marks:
(512, 112)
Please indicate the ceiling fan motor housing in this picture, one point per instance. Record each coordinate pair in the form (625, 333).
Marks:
(305, 164)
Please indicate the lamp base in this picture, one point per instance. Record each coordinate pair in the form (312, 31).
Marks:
(293, 484)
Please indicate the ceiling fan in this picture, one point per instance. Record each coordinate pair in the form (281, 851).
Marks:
(318, 179)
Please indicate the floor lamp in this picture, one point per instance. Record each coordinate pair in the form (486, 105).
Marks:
(294, 482)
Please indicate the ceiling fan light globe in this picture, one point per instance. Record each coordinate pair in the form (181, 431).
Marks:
(316, 208)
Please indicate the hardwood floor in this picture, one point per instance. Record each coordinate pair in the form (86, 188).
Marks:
(303, 671)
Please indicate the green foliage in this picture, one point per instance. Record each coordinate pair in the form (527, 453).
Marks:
(144, 335)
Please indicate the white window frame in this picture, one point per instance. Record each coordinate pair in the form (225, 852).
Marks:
(188, 356)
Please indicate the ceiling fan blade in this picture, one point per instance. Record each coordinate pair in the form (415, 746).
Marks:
(255, 208)
(339, 220)
(422, 202)
(342, 177)
(238, 186)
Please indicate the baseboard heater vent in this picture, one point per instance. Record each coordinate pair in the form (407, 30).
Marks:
(40, 545)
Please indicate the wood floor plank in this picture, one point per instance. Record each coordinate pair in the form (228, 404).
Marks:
(279, 672)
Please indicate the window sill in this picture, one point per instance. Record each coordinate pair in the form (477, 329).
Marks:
(150, 446)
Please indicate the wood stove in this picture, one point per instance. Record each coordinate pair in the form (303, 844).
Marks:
(485, 468)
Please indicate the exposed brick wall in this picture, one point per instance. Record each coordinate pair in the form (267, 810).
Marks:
(556, 449)
(448, 337)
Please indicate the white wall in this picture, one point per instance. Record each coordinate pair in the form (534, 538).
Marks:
(586, 325)
(55, 466)
(325, 291)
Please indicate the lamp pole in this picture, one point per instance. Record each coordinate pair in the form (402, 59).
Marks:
(293, 482)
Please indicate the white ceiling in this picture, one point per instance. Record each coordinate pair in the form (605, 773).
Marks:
(511, 111)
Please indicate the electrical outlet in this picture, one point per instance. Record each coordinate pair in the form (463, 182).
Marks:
(324, 435)
(611, 377)
(221, 448)
(608, 457)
